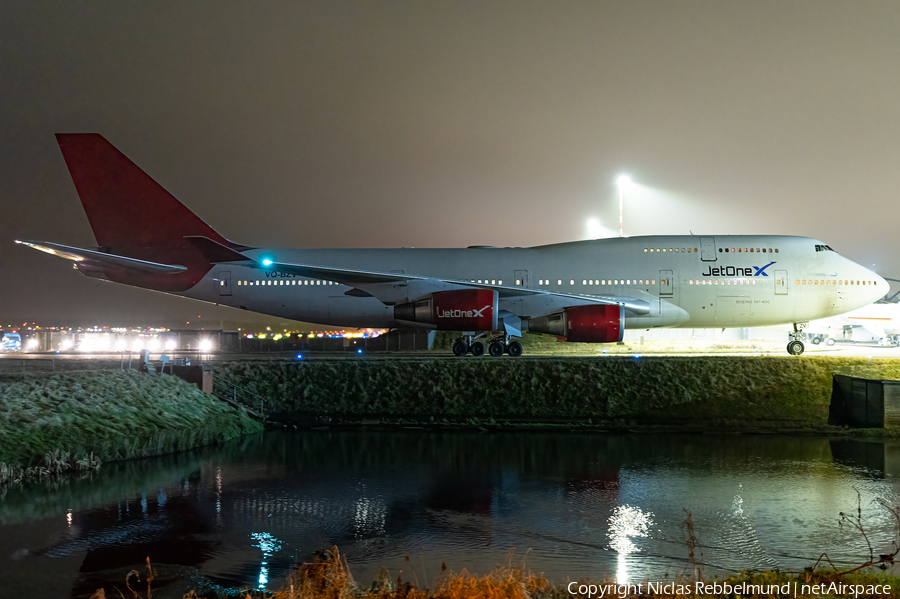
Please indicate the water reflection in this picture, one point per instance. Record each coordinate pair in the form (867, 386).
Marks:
(587, 505)
(625, 523)
(269, 545)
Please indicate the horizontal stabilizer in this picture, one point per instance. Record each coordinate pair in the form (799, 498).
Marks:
(85, 255)
(214, 251)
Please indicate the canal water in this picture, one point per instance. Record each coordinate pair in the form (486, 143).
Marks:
(568, 505)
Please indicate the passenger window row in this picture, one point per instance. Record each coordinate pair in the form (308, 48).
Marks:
(832, 282)
(673, 250)
(749, 251)
(723, 282)
(584, 282)
(545, 282)
(288, 282)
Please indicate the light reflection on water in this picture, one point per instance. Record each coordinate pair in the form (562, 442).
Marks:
(269, 545)
(625, 523)
(585, 506)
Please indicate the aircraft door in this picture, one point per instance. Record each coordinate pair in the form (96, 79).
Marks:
(708, 249)
(781, 282)
(523, 278)
(666, 283)
(224, 283)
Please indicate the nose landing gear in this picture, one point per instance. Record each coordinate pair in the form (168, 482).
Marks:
(795, 345)
(795, 348)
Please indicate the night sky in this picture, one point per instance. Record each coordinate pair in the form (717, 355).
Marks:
(446, 124)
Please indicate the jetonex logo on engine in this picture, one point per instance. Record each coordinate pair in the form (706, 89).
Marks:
(441, 313)
(737, 271)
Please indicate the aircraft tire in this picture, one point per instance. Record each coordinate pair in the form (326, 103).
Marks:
(829, 342)
(795, 348)
(460, 348)
(477, 349)
(496, 349)
(816, 340)
(514, 349)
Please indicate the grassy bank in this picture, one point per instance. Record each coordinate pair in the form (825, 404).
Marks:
(328, 577)
(60, 422)
(744, 391)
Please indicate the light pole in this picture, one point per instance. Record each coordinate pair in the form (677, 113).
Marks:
(622, 182)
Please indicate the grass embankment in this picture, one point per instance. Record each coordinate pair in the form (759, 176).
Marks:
(62, 422)
(739, 392)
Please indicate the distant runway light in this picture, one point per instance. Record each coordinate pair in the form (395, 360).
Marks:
(299, 356)
(359, 351)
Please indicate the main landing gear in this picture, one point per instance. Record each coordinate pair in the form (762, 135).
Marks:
(795, 345)
(497, 346)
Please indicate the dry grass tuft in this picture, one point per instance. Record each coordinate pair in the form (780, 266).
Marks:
(328, 577)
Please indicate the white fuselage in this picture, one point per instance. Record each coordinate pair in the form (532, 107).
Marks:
(688, 281)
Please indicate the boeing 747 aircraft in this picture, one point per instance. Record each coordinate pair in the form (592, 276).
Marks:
(584, 291)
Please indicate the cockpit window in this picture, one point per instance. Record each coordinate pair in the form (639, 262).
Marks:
(823, 248)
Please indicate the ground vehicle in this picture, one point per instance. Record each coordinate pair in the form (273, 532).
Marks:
(10, 342)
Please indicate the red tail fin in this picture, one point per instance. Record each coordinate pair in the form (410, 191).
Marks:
(126, 208)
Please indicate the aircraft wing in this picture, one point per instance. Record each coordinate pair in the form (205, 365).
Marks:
(344, 276)
(85, 255)
(368, 281)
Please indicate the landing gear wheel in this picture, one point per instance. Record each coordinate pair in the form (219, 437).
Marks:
(460, 348)
(816, 340)
(514, 349)
(829, 342)
(795, 348)
(477, 348)
(496, 349)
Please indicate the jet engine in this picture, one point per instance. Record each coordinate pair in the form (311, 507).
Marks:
(595, 323)
(460, 310)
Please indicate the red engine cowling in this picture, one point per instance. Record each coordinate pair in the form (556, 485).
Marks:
(594, 323)
(461, 310)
